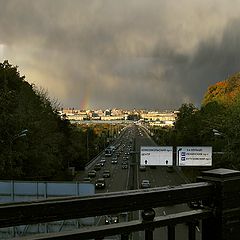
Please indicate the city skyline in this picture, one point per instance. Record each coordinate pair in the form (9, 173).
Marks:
(130, 54)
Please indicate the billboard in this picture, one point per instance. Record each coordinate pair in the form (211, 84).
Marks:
(194, 156)
(156, 156)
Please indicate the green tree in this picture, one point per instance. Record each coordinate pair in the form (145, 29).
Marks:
(51, 143)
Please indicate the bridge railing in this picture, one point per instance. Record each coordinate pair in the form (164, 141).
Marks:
(217, 192)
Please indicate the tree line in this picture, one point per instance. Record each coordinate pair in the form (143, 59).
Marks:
(35, 143)
(216, 123)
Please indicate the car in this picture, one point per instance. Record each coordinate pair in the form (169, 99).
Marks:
(114, 160)
(106, 174)
(97, 167)
(170, 169)
(101, 163)
(111, 219)
(87, 179)
(142, 168)
(124, 166)
(195, 204)
(145, 183)
(100, 183)
(92, 173)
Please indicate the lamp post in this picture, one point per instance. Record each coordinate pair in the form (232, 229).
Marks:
(21, 134)
(87, 146)
(218, 133)
(221, 134)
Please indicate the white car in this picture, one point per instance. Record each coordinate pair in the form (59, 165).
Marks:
(145, 184)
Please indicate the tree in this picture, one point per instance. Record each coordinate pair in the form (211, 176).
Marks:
(50, 142)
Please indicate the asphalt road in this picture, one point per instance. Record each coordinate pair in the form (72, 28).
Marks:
(121, 179)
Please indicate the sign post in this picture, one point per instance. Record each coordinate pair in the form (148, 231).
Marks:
(194, 156)
(156, 156)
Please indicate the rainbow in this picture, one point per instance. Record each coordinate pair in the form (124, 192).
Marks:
(85, 100)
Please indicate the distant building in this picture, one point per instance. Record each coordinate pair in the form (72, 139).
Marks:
(160, 118)
(113, 118)
(107, 112)
(73, 115)
(154, 118)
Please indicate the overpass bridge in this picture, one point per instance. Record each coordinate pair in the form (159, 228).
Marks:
(216, 194)
(159, 212)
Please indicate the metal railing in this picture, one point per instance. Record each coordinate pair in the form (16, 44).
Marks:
(218, 192)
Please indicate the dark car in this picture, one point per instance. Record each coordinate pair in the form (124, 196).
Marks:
(195, 204)
(87, 179)
(142, 168)
(111, 219)
(106, 174)
(97, 167)
(100, 183)
(153, 167)
(114, 160)
(124, 165)
(92, 173)
(101, 163)
(170, 169)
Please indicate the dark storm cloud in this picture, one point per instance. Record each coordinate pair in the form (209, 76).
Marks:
(129, 53)
(213, 61)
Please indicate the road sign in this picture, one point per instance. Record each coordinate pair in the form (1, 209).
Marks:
(156, 156)
(194, 156)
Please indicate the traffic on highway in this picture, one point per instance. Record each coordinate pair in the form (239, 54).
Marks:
(118, 169)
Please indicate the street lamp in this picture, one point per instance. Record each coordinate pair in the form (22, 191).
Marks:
(221, 134)
(216, 132)
(87, 146)
(21, 134)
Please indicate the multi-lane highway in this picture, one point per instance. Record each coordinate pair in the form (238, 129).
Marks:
(123, 164)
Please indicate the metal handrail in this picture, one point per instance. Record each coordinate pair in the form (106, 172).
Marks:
(99, 232)
(13, 214)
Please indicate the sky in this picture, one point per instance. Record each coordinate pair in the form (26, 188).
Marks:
(142, 54)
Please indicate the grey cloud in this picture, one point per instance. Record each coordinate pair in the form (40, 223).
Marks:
(129, 54)
(213, 61)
